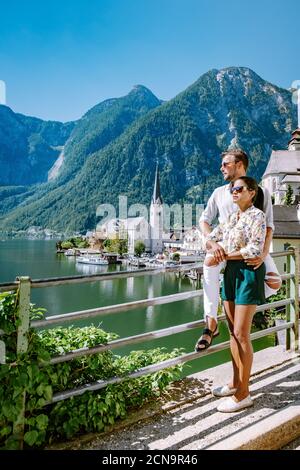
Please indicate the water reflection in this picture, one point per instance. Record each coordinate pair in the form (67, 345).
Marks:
(91, 268)
(130, 286)
(150, 309)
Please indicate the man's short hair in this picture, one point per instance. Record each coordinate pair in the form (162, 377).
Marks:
(239, 155)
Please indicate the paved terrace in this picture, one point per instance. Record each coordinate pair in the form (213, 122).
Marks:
(186, 418)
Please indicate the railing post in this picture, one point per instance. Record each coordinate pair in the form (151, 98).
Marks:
(2, 350)
(288, 295)
(295, 268)
(22, 346)
(199, 279)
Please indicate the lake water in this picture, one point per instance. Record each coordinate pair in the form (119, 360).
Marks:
(38, 259)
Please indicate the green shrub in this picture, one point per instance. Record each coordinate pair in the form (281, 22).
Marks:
(66, 245)
(267, 318)
(139, 248)
(91, 411)
(277, 312)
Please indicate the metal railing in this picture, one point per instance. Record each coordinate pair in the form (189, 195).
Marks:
(24, 285)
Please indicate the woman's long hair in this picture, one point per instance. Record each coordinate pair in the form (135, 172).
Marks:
(258, 198)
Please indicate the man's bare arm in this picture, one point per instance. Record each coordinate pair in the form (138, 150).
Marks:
(205, 228)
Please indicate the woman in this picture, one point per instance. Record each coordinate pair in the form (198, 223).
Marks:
(243, 237)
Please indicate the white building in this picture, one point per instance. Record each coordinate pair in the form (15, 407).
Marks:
(156, 217)
(138, 228)
(112, 229)
(193, 240)
(173, 241)
(283, 169)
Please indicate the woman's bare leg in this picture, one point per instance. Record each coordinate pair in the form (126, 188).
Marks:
(234, 350)
(243, 316)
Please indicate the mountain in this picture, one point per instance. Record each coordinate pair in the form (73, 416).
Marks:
(29, 147)
(102, 124)
(228, 107)
(96, 129)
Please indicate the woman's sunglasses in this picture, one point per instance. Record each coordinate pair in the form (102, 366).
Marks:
(238, 189)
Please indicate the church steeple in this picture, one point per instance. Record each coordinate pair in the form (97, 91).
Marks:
(156, 198)
(156, 217)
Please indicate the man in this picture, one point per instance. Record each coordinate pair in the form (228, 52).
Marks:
(234, 164)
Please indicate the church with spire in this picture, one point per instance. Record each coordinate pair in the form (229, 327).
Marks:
(135, 229)
(156, 217)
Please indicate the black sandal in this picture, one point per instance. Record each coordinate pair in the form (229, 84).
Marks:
(204, 342)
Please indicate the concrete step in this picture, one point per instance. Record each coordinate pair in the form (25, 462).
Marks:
(271, 433)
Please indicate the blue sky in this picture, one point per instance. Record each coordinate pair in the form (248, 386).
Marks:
(59, 58)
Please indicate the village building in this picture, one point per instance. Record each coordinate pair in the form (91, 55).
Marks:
(173, 240)
(112, 229)
(136, 229)
(193, 240)
(283, 170)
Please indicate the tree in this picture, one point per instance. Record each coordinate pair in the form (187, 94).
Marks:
(123, 246)
(67, 245)
(176, 257)
(139, 248)
(289, 199)
(83, 244)
(58, 245)
(107, 243)
(116, 245)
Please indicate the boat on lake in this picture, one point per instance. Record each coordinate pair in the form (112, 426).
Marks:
(92, 260)
(138, 262)
(70, 252)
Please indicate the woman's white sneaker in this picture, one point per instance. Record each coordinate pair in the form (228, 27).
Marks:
(230, 405)
(224, 391)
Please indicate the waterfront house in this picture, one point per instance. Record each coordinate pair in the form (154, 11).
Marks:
(283, 170)
(193, 240)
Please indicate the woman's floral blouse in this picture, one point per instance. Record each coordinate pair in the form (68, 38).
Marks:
(244, 232)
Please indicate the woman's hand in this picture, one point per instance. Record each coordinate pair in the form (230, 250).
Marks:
(257, 261)
(218, 251)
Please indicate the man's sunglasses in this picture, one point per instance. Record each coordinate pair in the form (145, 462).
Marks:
(238, 189)
(224, 164)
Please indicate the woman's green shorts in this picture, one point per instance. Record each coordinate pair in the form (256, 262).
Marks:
(242, 284)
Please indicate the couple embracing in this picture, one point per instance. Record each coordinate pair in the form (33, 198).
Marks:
(240, 244)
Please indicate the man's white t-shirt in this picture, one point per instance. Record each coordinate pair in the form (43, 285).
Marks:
(220, 205)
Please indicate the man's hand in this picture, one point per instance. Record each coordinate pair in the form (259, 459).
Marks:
(256, 262)
(217, 251)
